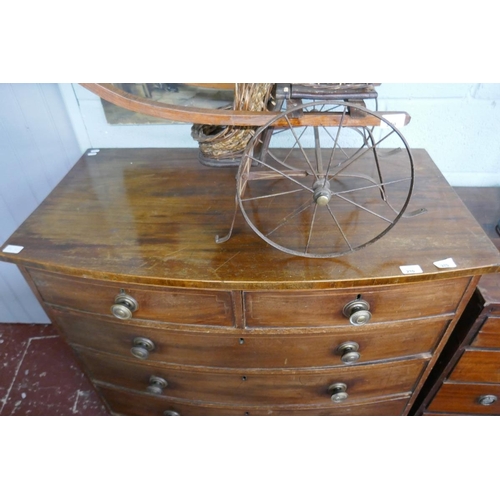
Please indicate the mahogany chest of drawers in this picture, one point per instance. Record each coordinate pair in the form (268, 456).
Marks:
(122, 255)
(466, 378)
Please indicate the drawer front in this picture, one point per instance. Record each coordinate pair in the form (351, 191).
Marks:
(130, 403)
(325, 308)
(174, 305)
(254, 387)
(466, 399)
(489, 334)
(477, 366)
(252, 350)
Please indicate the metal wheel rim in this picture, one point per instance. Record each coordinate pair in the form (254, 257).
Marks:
(248, 158)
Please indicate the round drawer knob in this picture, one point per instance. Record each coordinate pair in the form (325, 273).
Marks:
(358, 312)
(156, 384)
(339, 392)
(141, 347)
(171, 413)
(487, 399)
(124, 306)
(349, 352)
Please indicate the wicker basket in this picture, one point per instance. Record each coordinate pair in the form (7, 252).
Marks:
(223, 145)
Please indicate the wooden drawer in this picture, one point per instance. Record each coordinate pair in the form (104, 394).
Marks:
(489, 334)
(130, 403)
(477, 366)
(254, 387)
(325, 308)
(173, 305)
(252, 350)
(465, 399)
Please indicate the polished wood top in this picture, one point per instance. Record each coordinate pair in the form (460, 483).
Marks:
(152, 215)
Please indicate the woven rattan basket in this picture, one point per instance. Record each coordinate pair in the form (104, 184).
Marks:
(223, 145)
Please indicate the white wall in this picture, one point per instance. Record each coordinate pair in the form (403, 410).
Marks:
(458, 124)
(38, 146)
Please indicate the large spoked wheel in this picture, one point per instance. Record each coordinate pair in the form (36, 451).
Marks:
(326, 189)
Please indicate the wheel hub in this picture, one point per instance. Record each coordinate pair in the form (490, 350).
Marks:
(322, 193)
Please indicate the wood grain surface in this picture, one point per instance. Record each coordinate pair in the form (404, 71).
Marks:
(152, 215)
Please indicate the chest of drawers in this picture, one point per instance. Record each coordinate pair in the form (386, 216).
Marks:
(122, 255)
(466, 380)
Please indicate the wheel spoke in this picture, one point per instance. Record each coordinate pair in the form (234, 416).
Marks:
(291, 215)
(359, 154)
(374, 185)
(335, 143)
(301, 148)
(317, 149)
(281, 162)
(340, 229)
(289, 152)
(311, 228)
(364, 208)
(270, 195)
(377, 163)
(281, 173)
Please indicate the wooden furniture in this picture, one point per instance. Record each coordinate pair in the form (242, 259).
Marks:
(466, 378)
(165, 321)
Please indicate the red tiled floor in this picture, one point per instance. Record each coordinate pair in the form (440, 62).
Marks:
(39, 375)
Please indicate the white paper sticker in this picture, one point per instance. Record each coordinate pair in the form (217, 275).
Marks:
(411, 269)
(94, 150)
(446, 263)
(91, 154)
(12, 249)
(397, 119)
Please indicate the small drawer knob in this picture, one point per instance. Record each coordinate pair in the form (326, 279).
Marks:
(349, 352)
(339, 392)
(171, 413)
(124, 306)
(487, 399)
(156, 385)
(141, 347)
(358, 312)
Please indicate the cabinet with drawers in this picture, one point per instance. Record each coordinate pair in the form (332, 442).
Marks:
(165, 321)
(466, 380)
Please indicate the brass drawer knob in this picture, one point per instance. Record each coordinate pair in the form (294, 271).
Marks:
(156, 385)
(487, 399)
(349, 352)
(358, 312)
(141, 347)
(124, 306)
(339, 392)
(171, 413)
